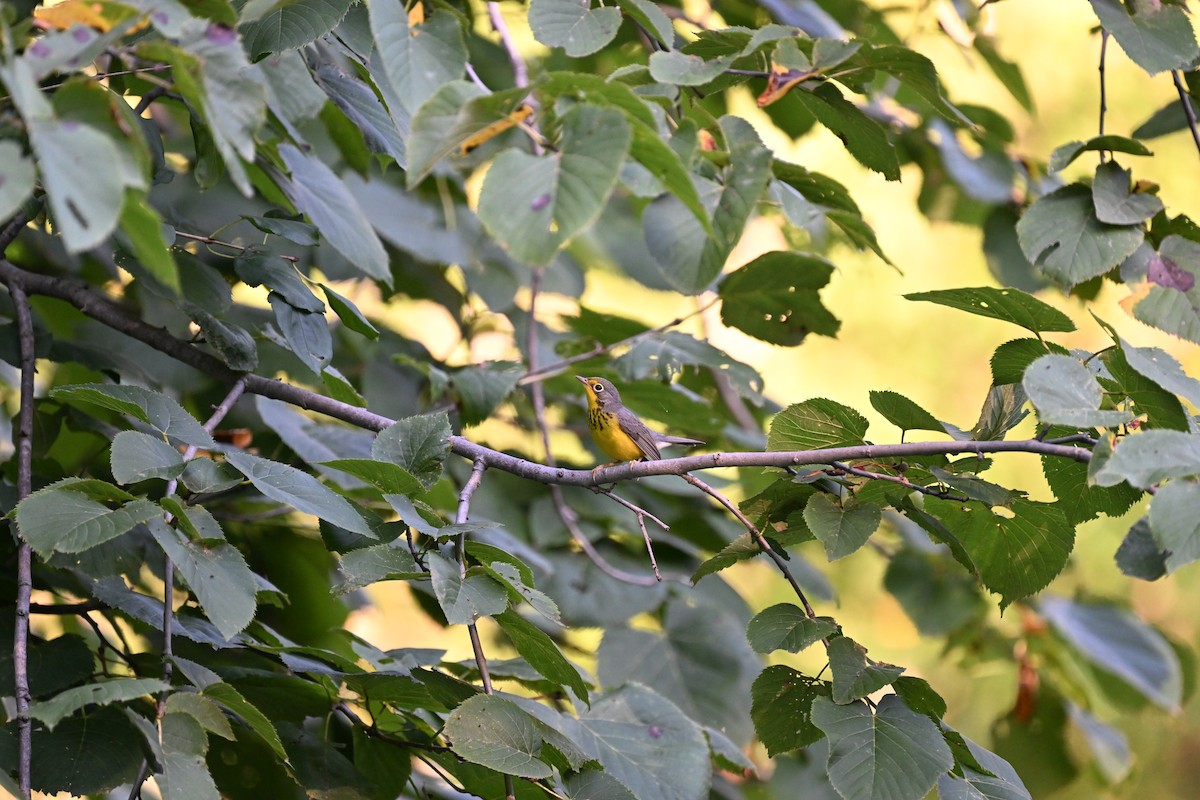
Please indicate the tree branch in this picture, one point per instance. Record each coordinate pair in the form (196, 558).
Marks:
(520, 71)
(1188, 110)
(24, 553)
(1103, 91)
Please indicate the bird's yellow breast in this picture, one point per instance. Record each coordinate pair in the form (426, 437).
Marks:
(614, 441)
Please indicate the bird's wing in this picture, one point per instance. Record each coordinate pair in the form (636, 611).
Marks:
(642, 436)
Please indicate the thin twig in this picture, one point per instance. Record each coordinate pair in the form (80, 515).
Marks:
(636, 509)
(551, 370)
(168, 617)
(209, 240)
(460, 544)
(66, 609)
(520, 72)
(900, 480)
(24, 553)
(755, 534)
(1103, 91)
(1188, 110)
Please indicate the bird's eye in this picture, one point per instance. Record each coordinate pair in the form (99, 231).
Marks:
(597, 387)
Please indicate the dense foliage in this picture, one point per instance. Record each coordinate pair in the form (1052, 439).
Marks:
(228, 228)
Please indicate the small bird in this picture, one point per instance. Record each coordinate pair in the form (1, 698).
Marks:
(618, 430)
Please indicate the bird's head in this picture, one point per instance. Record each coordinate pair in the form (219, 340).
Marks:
(600, 392)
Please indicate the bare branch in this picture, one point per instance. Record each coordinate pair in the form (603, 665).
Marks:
(24, 554)
(844, 468)
(1188, 110)
(520, 71)
(1103, 90)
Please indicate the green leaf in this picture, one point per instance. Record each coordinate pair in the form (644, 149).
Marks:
(937, 596)
(118, 690)
(418, 444)
(1064, 154)
(295, 230)
(1168, 119)
(496, 733)
(306, 333)
(912, 70)
(688, 258)
(67, 521)
(893, 754)
(153, 408)
(863, 137)
(816, 424)
(904, 413)
(1174, 522)
(203, 475)
(1151, 457)
(1061, 235)
(1009, 305)
(776, 298)
(541, 652)
(79, 167)
(301, 491)
(358, 102)
(328, 204)
(1007, 72)
(1115, 203)
(786, 627)
(1162, 368)
(464, 599)
(684, 69)
(256, 720)
(1162, 409)
(535, 205)
(480, 389)
(1119, 643)
(1079, 499)
(349, 314)
(519, 579)
(645, 742)
(454, 114)
(293, 25)
(919, 696)
(381, 562)
(1139, 555)
(16, 178)
(574, 26)
(387, 477)
(781, 708)
(994, 780)
(1015, 554)
(841, 528)
(185, 772)
(854, 677)
(1157, 37)
(1011, 359)
(1066, 393)
(650, 17)
(417, 60)
(143, 227)
(824, 195)
(202, 709)
(139, 456)
(216, 573)
(1111, 752)
(664, 355)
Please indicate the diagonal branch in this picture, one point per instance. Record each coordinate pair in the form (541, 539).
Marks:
(1189, 110)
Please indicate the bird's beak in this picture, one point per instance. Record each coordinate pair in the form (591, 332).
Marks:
(581, 379)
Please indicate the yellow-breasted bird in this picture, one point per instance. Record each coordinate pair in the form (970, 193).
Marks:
(618, 430)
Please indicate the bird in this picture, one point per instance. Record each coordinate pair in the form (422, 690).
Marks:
(617, 430)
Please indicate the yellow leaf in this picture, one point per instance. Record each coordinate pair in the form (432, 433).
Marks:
(73, 12)
(516, 117)
(780, 82)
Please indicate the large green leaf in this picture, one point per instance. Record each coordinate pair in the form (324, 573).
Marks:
(217, 574)
(162, 413)
(137, 456)
(303, 492)
(1066, 393)
(863, 137)
(359, 103)
(417, 60)
(290, 26)
(686, 69)
(16, 178)
(1175, 524)
(465, 598)
(534, 205)
(645, 742)
(842, 528)
(417, 444)
(1150, 457)
(904, 413)
(1115, 203)
(1156, 36)
(815, 424)
(1118, 642)
(854, 675)
(892, 754)
(328, 204)
(117, 690)
(912, 70)
(536, 647)
(1061, 235)
(687, 256)
(379, 562)
(776, 298)
(1016, 554)
(457, 111)
(495, 732)
(782, 701)
(786, 627)
(106, 753)
(1065, 154)
(1009, 305)
(1162, 368)
(572, 25)
(59, 519)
